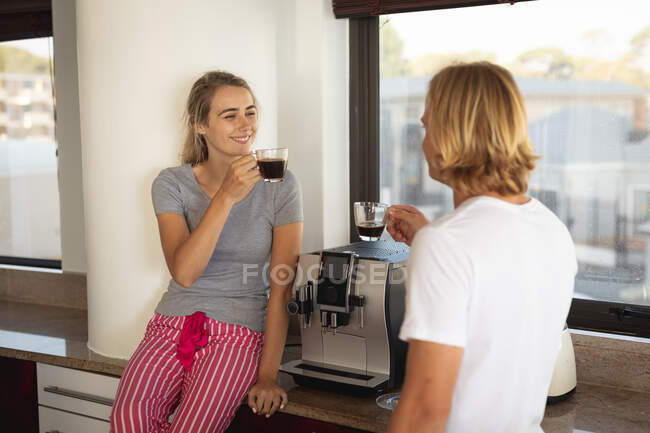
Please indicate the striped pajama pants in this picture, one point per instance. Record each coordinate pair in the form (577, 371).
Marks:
(154, 381)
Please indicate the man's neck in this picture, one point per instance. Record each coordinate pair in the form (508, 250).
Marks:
(517, 199)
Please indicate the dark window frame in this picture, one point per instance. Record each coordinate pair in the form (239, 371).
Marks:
(30, 262)
(591, 315)
(364, 113)
(366, 8)
(25, 19)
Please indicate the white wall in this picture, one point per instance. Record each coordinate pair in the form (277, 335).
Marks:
(313, 114)
(137, 60)
(336, 133)
(73, 243)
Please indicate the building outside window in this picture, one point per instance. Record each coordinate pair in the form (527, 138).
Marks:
(29, 195)
(586, 81)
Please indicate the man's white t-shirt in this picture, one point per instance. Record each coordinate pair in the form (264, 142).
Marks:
(496, 279)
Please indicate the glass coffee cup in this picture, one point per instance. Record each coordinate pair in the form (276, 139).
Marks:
(370, 219)
(272, 163)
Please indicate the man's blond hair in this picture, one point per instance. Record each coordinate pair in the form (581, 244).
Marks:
(477, 118)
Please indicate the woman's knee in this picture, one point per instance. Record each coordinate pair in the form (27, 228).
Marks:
(119, 413)
(139, 416)
(127, 417)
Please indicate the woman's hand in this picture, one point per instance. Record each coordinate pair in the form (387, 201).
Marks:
(404, 222)
(240, 179)
(266, 397)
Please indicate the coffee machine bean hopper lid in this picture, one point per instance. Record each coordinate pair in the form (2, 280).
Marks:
(383, 250)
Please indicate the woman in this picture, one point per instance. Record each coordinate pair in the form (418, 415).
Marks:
(212, 339)
(490, 284)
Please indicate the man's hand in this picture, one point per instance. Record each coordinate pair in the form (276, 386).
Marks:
(404, 222)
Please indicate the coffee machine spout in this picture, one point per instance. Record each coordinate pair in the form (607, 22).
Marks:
(359, 302)
(303, 304)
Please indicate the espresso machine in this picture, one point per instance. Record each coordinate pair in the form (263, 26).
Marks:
(350, 302)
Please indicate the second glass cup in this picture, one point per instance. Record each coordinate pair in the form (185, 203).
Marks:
(272, 163)
(370, 219)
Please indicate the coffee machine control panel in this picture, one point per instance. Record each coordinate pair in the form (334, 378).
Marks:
(336, 297)
(334, 291)
(335, 281)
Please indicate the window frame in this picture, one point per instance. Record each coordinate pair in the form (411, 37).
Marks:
(364, 113)
(30, 262)
(21, 19)
(27, 21)
(591, 315)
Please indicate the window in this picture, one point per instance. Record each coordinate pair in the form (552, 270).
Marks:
(586, 82)
(29, 213)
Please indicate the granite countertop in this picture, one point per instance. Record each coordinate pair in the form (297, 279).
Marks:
(58, 336)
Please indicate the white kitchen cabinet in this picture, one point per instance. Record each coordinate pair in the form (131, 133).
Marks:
(58, 421)
(72, 401)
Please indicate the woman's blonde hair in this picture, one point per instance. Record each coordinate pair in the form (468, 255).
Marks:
(195, 148)
(476, 116)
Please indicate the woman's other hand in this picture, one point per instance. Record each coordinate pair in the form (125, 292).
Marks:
(404, 222)
(242, 176)
(266, 397)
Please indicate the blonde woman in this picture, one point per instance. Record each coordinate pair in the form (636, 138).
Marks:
(217, 335)
(490, 284)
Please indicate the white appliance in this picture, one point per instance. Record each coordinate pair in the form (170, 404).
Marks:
(563, 383)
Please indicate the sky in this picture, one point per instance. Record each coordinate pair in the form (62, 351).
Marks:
(37, 46)
(508, 30)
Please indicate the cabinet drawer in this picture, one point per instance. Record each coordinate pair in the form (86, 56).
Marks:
(52, 420)
(76, 391)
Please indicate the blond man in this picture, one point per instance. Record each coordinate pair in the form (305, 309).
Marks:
(490, 284)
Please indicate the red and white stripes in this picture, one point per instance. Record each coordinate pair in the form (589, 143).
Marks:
(208, 395)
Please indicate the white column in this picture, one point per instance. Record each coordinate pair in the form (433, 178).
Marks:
(137, 60)
(73, 245)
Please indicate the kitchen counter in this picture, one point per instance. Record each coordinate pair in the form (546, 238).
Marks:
(57, 336)
(52, 335)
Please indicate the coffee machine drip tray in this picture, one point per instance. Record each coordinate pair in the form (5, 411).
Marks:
(333, 375)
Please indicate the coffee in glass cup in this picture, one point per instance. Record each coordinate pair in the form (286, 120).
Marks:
(370, 219)
(272, 163)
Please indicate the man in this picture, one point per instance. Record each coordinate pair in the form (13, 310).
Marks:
(490, 284)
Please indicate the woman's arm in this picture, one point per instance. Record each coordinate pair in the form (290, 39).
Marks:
(187, 254)
(266, 396)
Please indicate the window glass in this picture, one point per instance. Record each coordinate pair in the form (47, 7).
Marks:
(29, 194)
(586, 81)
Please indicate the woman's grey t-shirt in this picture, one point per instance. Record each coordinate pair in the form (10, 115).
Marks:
(234, 286)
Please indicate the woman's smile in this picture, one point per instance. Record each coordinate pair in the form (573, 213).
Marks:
(242, 139)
